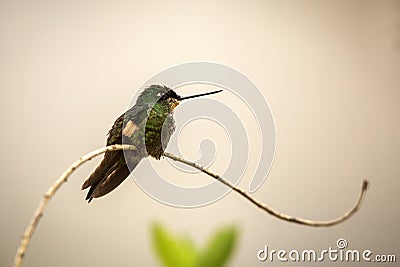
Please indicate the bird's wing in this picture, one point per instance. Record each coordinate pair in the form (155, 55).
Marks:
(116, 174)
(110, 157)
(113, 170)
(114, 177)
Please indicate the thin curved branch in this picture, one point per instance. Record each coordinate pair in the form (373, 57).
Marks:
(64, 178)
(271, 211)
(30, 229)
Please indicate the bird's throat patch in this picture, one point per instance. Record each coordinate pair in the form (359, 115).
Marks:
(173, 104)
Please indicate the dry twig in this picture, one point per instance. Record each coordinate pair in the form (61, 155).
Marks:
(64, 178)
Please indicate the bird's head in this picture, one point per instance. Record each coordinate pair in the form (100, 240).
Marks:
(159, 94)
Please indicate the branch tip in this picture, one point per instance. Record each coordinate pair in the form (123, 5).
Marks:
(365, 185)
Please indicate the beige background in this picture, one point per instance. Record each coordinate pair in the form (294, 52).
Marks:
(329, 69)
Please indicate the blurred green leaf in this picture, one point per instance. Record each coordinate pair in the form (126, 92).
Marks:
(219, 248)
(173, 252)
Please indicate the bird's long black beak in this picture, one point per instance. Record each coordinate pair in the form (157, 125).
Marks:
(193, 96)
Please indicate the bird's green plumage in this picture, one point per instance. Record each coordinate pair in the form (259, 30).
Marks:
(153, 115)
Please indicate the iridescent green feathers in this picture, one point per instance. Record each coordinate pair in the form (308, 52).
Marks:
(150, 124)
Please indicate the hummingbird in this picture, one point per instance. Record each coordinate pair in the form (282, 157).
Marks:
(148, 126)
